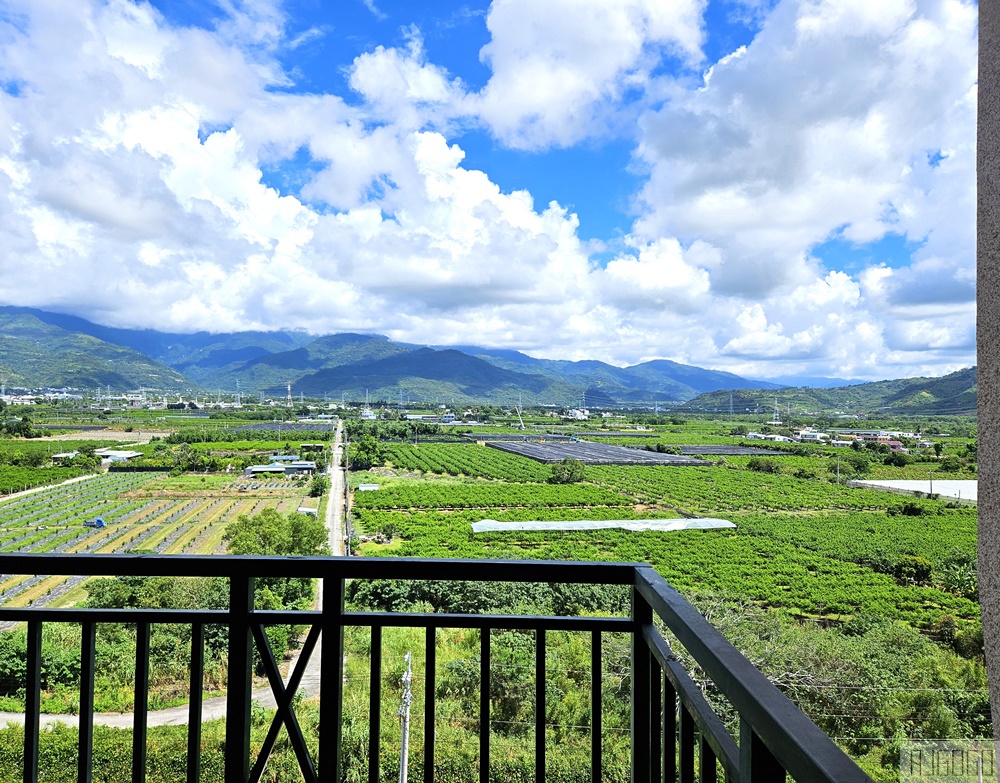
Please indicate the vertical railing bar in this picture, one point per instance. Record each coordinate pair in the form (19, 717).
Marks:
(430, 704)
(194, 703)
(706, 761)
(484, 705)
(596, 707)
(669, 730)
(540, 705)
(375, 705)
(757, 763)
(642, 614)
(85, 744)
(331, 705)
(655, 719)
(687, 746)
(238, 680)
(141, 706)
(32, 700)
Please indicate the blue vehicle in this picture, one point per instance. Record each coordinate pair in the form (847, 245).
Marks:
(98, 522)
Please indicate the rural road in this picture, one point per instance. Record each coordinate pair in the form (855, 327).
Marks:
(215, 708)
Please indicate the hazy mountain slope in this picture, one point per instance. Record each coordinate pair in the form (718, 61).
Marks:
(429, 374)
(170, 348)
(953, 393)
(36, 354)
(264, 370)
(660, 379)
(661, 371)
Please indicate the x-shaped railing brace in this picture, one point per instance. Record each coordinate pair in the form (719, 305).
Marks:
(283, 697)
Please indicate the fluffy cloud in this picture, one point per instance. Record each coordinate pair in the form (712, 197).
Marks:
(402, 87)
(133, 160)
(561, 68)
(854, 119)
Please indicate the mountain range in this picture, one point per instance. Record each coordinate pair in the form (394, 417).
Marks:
(40, 349)
(955, 393)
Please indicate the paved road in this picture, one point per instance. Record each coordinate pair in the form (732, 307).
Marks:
(335, 502)
(216, 708)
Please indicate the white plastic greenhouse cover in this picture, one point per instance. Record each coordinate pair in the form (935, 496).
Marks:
(661, 525)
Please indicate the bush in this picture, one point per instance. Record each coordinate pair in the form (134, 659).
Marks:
(568, 471)
(763, 465)
(913, 569)
(318, 485)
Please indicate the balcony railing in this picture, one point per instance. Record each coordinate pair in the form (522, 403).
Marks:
(675, 734)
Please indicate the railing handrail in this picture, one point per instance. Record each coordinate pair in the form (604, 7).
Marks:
(290, 566)
(772, 727)
(801, 747)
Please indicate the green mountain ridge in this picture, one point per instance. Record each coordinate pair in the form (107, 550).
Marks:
(36, 354)
(954, 393)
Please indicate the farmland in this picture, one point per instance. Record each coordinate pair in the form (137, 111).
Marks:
(818, 580)
(145, 512)
(820, 564)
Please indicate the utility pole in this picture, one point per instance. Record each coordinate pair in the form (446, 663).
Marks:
(404, 717)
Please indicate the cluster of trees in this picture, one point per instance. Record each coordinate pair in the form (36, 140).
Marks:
(87, 459)
(363, 453)
(389, 430)
(17, 428)
(227, 435)
(663, 448)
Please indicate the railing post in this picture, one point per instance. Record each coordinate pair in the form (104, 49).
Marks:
(141, 706)
(706, 761)
(596, 708)
(757, 763)
(540, 706)
(655, 718)
(85, 737)
(687, 748)
(238, 685)
(32, 700)
(669, 731)
(331, 704)
(195, 701)
(430, 691)
(484, 705)
(375, 705)
(642, 614)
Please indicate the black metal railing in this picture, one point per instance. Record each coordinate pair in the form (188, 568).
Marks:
(675, 734)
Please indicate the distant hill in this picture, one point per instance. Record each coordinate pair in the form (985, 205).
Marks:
(950, 394)
(659, 380)
(35, 354)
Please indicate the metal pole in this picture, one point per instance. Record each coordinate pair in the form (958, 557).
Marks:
(404, 715)
(930, 475)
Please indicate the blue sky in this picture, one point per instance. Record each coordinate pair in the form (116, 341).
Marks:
(768, 187)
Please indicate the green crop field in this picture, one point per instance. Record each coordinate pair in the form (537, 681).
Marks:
(829, 589)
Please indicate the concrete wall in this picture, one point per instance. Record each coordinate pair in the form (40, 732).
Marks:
(988, 327)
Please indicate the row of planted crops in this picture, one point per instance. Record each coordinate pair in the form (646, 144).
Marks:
(136, 517)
